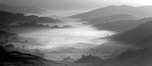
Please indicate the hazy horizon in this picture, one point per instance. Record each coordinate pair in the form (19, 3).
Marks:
(71, 7)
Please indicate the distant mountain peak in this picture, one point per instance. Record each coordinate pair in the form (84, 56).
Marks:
(113, 6)
(126, 6)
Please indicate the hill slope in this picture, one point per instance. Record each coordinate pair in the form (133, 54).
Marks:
(141, 57)
(22, 59)
(140, 36)
(111, 19)
(121, 26)
(140, 12)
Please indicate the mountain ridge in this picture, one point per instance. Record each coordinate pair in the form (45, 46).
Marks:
(140, 12)
(121, 26)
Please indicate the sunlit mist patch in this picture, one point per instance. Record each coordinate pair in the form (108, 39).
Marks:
(80, 36)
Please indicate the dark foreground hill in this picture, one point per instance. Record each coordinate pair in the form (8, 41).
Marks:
(16, 58)
(140, 57)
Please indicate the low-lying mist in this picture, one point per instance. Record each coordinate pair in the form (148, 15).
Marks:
(78, 36)
(66, 37)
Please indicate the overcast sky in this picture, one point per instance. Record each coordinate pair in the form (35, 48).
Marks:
(75, 6)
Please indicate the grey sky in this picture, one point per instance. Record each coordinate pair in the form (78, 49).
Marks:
(75, 5)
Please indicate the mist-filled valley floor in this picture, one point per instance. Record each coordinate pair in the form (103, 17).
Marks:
(109, 36)
(64, 39)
